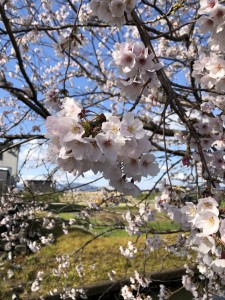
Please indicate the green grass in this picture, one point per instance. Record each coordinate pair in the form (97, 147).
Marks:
(67, 215)
(163, 225)
(149, 198)
(101, 220)
(222, 204)
(103, 253)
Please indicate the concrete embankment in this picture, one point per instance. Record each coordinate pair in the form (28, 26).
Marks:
(109, 290)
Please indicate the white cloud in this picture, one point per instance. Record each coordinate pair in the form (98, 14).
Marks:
(64, 177)
(32, 152)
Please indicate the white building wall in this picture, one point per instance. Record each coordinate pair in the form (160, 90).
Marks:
(9, 160)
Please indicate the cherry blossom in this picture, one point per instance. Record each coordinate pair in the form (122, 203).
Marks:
(128, 252)
(207, 6)
(79, 150)
(134, 90)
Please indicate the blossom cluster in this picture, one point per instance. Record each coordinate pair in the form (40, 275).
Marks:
(169, 202)
(210, 130)
(213, 20)
(207, 235)
(134, 222)
(205, 217)
(205, 220)
(118, 148)
(130, 251)
(136, 64)
(133, 291)
(73, 294)
(63, 265)
(153, 243)
(210, 71)
(112, 12)
(36, 284)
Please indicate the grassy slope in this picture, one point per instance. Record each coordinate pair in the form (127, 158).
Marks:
(99, 258)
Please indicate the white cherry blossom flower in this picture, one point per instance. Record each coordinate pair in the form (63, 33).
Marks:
(218, 265)
(131, 127)
(124, 58)
(144, 62)
(203, 127)
(218, 161)
(131, 189)
(135, 148)
(94, 6)
(139, 48)
(147, 214)
(218, 14)
(80, 147)
(207, 6)
(117, 21)
(216, 67)
(208, 222)
(208, 81)
(71, 108)
(148, 167)
(190, 210)
(205, 243)
(112, 172)
(35, 285)
(56, 126)
(220, 102)
(207, 106)
(68, 164)
(206, 143)
(127, 293)
(132, 167)
(143, 281)
(153, 242)
(206, 24)
(219, 141)
(220, 83)
(75, 130)
(106, 142)
(94, 153)
(112, 125)
(207, 204)
(131, 89)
